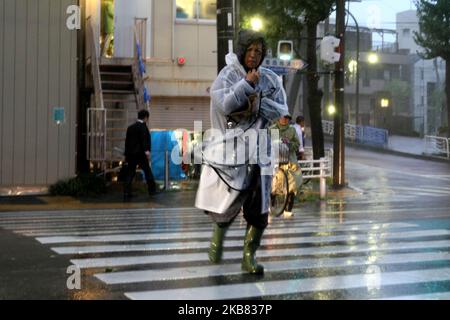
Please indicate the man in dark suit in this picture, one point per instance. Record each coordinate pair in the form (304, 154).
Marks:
(137, 152)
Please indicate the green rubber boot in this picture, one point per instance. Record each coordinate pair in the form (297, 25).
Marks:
(251, 244)
(216, 247)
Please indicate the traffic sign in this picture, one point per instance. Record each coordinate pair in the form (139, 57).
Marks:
(282, 67)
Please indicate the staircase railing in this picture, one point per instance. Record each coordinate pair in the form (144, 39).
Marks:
(142, 96)
(96, 142)
(96, 117)
(94, 61)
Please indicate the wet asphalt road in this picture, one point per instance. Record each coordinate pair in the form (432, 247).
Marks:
(389, 237)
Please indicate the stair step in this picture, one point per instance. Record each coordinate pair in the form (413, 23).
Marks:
(117, 82)
(120, 100)
(109, 73)
(107, 91)
(115, 68)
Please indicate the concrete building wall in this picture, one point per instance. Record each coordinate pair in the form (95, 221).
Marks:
(407, 24)
(423, 75)
(38, 72)
(193, 40)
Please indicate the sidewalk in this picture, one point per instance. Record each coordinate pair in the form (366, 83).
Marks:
(183, 197)
(412, 145)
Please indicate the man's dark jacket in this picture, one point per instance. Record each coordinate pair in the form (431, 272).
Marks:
(138, 140)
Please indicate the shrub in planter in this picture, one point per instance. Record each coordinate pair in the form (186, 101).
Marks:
(80, 186)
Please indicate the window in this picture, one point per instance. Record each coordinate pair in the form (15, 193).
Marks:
(406, 32)
(196, 9)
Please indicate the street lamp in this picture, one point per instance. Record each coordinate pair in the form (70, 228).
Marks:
(331, 109)
(384, 103)
(256, 23)
(373, 58)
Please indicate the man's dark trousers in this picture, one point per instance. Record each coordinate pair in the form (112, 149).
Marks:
(143, 163)
(137, 144)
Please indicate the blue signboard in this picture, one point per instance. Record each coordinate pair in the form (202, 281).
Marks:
(59, 115)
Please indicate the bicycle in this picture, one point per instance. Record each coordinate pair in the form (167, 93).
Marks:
(280, 183)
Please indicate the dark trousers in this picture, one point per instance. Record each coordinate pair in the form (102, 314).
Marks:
(252, 205)
(143, 163)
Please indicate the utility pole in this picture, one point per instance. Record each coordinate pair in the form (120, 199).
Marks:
(225, 30)
(326, 77)
(339, 143)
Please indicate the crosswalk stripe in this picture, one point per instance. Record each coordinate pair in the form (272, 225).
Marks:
(276, 223)
(189, 273)
(207, 233)
(171, 245)
(49, 225)
(426, 296)
(151, 247)
(88, 212)
(425, 190)
(272, 288)
(185, 257)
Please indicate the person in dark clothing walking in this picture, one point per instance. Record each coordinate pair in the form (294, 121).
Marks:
(137, 152)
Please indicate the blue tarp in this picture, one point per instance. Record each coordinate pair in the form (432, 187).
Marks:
(162, 141)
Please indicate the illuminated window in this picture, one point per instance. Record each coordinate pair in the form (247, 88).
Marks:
(208, 9)
(196, 9)
(186, 9)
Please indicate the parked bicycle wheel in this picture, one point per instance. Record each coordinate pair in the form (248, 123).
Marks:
(280, 192)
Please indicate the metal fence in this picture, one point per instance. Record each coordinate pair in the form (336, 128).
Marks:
(360, 134)
(437, 146)
(318, 169)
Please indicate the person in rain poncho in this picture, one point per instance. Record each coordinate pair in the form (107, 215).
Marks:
(288, 136)
(244, 97)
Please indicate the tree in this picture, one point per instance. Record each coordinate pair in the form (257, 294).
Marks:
(290, 18)
(315, 12)
(434, 37)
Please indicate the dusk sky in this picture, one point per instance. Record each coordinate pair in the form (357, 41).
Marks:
(379, 11)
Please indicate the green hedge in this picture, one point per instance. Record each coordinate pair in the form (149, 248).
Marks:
(80, 186)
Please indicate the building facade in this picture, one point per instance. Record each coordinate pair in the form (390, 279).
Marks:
(38, 93)
(180, 54)
(427, 77)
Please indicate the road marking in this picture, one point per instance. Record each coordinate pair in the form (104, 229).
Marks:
(273, 288)
(189, 273)
(426, 296)
(186, 257)
(231, 232)
(152, 247)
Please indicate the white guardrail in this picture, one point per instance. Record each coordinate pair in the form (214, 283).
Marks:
(437, 146)
(318, 169)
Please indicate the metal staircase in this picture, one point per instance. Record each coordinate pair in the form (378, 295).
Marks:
(118, 94)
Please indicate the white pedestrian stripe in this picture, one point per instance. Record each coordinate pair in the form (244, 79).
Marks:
(184, 273)
(272, 288)
(161, 246)
(200, 257)
(207, 233)
(152, 247)
(427, 296)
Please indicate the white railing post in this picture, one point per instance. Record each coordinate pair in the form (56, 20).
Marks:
(323, 182)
